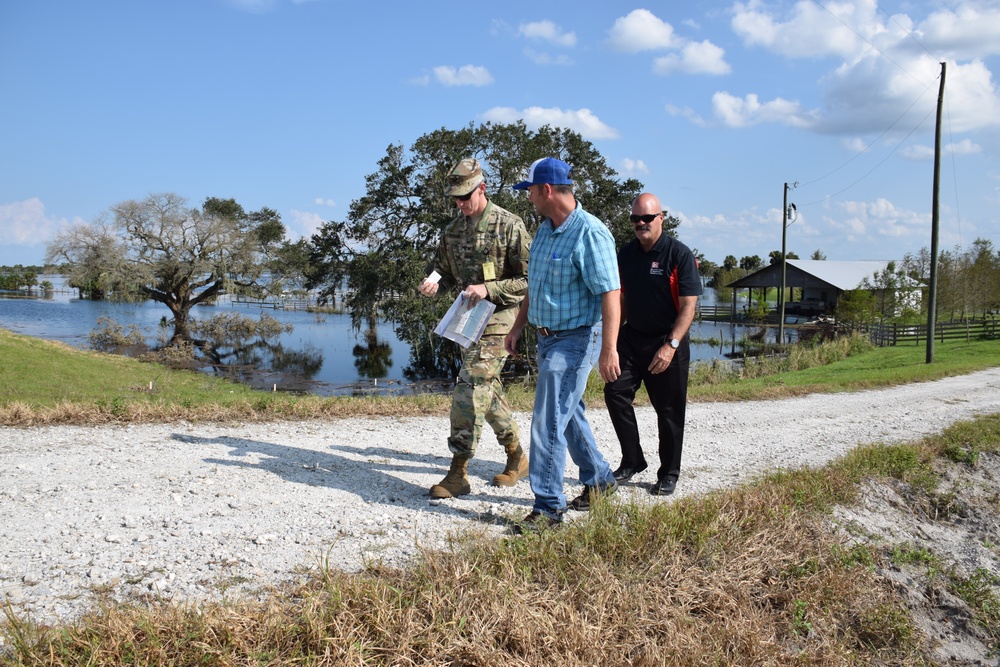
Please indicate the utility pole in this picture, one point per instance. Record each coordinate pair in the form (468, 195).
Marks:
(932, 288)
(786, 213)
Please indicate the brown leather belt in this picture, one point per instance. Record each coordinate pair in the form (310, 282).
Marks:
(545, 331)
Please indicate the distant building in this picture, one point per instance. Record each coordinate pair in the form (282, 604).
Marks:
(822, 282)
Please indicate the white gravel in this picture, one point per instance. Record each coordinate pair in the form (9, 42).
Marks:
(190, 511)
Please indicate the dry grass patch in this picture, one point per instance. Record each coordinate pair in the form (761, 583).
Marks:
(260, 408)
(749, 577)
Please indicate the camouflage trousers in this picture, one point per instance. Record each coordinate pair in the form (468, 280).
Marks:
(478, 396)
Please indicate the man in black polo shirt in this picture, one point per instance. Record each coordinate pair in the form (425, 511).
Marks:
(660, 287)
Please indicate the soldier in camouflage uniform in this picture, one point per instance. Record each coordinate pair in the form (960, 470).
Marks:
(483, 253)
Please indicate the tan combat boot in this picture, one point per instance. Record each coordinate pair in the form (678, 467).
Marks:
(455, 483)
(517, 467)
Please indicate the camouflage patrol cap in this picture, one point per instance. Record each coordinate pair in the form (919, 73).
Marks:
(464, 177)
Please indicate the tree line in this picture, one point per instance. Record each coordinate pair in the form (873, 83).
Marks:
(968, 284)
(369, 262)
(163, 249)
(23, 278)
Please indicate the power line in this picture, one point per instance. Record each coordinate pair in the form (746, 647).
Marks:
(875, 141)
(954, 171)
(891, 125)
(889, 155)
(872, 44)
(909, 33)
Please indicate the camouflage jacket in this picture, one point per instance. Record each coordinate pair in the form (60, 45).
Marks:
(499, 237)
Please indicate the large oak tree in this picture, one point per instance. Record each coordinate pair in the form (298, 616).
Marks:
(160, 249)
(382, 250)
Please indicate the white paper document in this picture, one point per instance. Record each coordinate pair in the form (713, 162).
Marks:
(463, 323)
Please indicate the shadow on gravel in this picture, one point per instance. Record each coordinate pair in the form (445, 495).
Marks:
(436, 464)
(372, 481)
(374, 474)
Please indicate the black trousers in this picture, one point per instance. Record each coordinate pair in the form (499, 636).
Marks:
(667, 393)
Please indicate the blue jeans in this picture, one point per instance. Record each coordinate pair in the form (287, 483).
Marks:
(559, 424)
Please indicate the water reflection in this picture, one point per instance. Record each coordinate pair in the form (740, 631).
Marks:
(734, 341)
(322, 354)
(316, 356)
(374, 358)
(266, 365)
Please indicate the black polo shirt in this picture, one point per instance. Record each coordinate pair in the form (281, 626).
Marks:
(654, 281)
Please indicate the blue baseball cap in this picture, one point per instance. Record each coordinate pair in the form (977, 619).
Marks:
(547, 170)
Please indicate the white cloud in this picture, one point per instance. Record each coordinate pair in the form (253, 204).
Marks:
(683, 112)
(749, 110)
(694, 58)
(253, 6)
(876, 229)
(641, 30)
(543, 58)
(923, 153)
(973, 98)
(964, 147)
(547, 31)
(260, 6)
(466, 75)
(581, 120)
(713, 234)
(882, 65)
(865, 222)
(303, 224)
(813, 30)
(970, 31)
(632, 167)
(855, 144)
(320, 201)
(918, 153)
(873, 95)
(25, 223)
(500, 27)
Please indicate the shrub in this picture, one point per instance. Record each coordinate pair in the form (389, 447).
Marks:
(112, 336)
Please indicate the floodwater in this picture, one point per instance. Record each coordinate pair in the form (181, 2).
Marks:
(321, 355)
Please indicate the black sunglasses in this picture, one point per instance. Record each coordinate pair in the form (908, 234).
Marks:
(464, 197)
(648, 218)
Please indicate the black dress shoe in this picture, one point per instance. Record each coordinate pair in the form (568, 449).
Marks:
(582, 502)
(663, 487)
(624, 474)
(535, 522)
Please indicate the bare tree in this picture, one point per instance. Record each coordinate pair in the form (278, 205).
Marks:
(160, 249)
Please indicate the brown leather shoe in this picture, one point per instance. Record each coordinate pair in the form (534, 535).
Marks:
(516, 469)
(455, 483)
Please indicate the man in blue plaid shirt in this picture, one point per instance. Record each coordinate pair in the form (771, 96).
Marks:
(573, 286)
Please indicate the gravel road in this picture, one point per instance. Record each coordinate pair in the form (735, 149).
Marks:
(187, 511)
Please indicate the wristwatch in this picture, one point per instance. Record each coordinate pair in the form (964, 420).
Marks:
(674, 343)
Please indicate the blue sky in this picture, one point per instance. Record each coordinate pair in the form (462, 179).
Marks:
(714, 106)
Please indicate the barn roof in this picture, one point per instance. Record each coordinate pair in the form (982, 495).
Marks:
(811, 273)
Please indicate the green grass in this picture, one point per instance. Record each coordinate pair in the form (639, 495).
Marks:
(47, 382)
(753, 575)
(45, 373)
(868, 369)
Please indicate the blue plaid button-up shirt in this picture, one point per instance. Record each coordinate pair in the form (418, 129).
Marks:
(569, 268)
